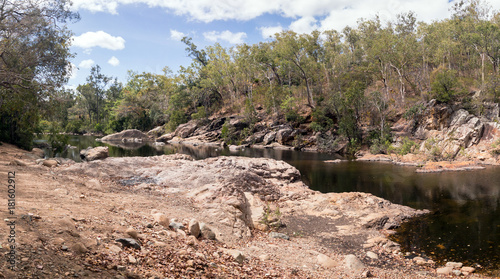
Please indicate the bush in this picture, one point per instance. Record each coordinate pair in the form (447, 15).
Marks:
(444, 84)
(380, 147)
(408, 146)
(177, 118)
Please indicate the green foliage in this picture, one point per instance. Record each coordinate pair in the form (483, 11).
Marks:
(444, 85)
(379, 147)
(200, 114)
(176, 118)
(407, 146)
(321, 121)
(271, 218)
(414, 112)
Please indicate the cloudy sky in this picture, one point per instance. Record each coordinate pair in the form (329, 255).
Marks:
(144, 35)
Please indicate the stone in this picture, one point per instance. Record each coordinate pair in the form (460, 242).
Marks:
(38, 152)
(456, 272)
(132, 232)
(279, 235)
(353, 263)
(468, 269)
(454, 264)
(191, 240)
(58, 241)
(326, 261)
(176, 226)
(115, 249)
(269, 138)
(131, 135)
(129, 242)
(156, 132)
(366, 274)
(17, 162)
(194, 228)
(444, 270)
(166, 137)
(79, 248)
(264, 257)
(121, 268)
(161, 219)
(206, 232)
(96, 153)
(185, 130)
(50, 163)
(237, 255)
(372, 255)
(284, 136)
(131, 259)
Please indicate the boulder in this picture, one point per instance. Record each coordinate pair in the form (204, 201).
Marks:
(156, 132)
(38, 152)
(194, 228)
(96, 153)
(269, 138)
(238, 122)
(165, 137)
(285, 136)
(50, 163)
(131, 135)
(326, 261)
(353, 263)
(185, 130)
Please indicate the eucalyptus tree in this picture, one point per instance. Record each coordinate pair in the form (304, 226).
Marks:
(34, 52)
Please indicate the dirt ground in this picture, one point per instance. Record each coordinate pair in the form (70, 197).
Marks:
(65, 229)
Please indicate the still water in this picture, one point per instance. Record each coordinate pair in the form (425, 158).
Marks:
(464, 224)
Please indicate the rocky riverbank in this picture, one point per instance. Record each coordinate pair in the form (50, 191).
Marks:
(171, 216)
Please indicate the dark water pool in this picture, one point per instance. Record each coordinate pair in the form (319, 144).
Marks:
(464, 224)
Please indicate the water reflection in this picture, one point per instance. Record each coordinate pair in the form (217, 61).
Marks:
(464, 225)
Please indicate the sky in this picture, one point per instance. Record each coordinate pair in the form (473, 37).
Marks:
(145, 35)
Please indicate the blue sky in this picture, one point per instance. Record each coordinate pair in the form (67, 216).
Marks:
(144, 35)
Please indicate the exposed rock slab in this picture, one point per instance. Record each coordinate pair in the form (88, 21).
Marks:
(131, 135)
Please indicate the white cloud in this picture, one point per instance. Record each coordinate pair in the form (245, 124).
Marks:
(176, 35)
(86, 64)
(327, 13)
(305, 24)
(270, 31)
(102, 39)
(228, 36)
(113, 61)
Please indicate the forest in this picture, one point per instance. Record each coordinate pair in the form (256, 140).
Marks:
(353, 83)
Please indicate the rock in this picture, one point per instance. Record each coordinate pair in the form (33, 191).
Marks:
(206, 232)
(366, 274)
(444, 270)
(132, 232)
(191, 240)
(156, 132)
(17, 162)
(457, 272)
(194, 228)
(237, 255)
(121, 268)
(468, 269)
(166, 137)
(285, 136)
(93, 184)
(131, 135)
(372, 255)
(161, 219)
(131, 259)
(279, 235)
(326, 261)
(176, 226)
(129, 242)
(454, 264)
(269, 138)
(115, 249)
(353, 263)
(264, 257)
(79, 248)
(50, 163)
(38, 152)
(185, 130)
(96, 153)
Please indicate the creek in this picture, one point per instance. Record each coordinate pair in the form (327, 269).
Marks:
(464, 224)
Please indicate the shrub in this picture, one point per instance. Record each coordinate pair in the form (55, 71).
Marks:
(407, 146)
(444, 84)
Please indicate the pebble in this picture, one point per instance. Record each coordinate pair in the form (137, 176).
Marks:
(161, 219)
(353, 263)
(279, 235)
(132, 232)
(176, 226)
(129, 242)
(468, 269)
(121, 268)
(372, 255)
(194, 228)
(131, 259)
(444, 270)
(454, 264)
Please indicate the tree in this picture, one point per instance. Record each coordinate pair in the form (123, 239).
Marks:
(34, 62)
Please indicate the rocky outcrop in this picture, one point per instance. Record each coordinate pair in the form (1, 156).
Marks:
(96, 153)
(185, 130)
(234, 192)
(131, 135)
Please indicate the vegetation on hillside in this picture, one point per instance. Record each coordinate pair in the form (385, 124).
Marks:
(353, 81)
